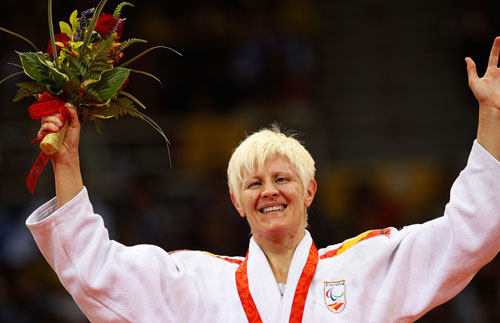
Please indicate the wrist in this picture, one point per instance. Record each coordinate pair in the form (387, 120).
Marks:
(68, 165)
(488, 131)
(66, 159)
(68, 178)
(489, 111)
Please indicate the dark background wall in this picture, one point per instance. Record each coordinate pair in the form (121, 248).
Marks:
(377, 91)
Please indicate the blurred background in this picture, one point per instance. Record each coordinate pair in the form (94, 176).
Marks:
(376, 90)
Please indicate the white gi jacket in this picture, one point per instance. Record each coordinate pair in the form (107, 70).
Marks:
(381, 276)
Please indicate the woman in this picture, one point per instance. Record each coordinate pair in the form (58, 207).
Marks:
(385, 275)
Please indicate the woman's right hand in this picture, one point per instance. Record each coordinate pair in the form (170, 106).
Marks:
(66, 162)
(69, 147)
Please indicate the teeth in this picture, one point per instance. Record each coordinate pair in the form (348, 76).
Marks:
(273, 208)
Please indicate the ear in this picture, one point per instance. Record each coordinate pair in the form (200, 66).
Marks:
(310, 192)
(237, 206)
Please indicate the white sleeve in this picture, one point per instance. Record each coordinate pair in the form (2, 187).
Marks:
(434, 261)
(110, 282)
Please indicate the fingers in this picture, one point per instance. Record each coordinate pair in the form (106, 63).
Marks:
(50, 124)
(55, 119)
(495, 49)
(53, 123)
(73, 134)
(471, 69)
(74, 122)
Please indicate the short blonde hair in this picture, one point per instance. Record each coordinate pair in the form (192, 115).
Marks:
(257, 148)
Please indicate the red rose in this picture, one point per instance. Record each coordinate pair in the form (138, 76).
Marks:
(62, 38)
(106, 23)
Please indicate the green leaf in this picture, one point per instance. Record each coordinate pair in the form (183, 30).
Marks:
(66, 29)
(73, 19)
(99, 60)
(56, 79)
(113, 109)
(41, 69)
(111, 81)
(28, 89)
(92, 98)
(33, 67)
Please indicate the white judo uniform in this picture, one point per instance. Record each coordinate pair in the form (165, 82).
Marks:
(380, 276)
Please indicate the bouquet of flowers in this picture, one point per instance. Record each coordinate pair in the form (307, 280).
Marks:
(82, 68)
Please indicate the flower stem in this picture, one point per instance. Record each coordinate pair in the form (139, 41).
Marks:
(93, 22)
(52, 38)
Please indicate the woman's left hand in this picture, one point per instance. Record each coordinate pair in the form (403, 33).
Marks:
(487, 92)
(487, 88)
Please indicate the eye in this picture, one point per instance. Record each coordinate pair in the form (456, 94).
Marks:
(254, 184)
(282, 180)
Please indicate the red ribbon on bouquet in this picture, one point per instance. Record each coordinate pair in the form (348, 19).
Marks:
(45, 106)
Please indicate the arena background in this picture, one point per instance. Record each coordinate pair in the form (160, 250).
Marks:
(377, 91)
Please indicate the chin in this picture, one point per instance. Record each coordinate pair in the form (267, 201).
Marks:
(280, 230)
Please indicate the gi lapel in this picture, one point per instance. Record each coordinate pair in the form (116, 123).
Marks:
(300, 275)
(265, 297)
(265, 290)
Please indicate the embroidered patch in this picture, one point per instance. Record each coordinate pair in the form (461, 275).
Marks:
(334, 294)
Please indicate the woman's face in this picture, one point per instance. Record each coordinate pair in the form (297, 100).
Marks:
(274, 201)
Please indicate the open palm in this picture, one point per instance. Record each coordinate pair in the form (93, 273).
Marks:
(487, 88)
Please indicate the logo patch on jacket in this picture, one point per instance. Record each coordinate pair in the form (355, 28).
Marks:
(334, 294)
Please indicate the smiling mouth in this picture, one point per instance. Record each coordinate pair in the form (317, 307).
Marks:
(273, 208)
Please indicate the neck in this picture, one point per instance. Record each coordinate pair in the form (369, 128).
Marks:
(279, 254)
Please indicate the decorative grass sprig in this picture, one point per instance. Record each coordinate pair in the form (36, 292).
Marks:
(118, 10)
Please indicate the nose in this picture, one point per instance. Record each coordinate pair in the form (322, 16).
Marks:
(270, 191)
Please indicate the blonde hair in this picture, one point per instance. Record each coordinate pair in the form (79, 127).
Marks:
(257, 148)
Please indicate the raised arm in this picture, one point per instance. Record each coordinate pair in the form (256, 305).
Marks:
(487, 92)
(66, 162)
